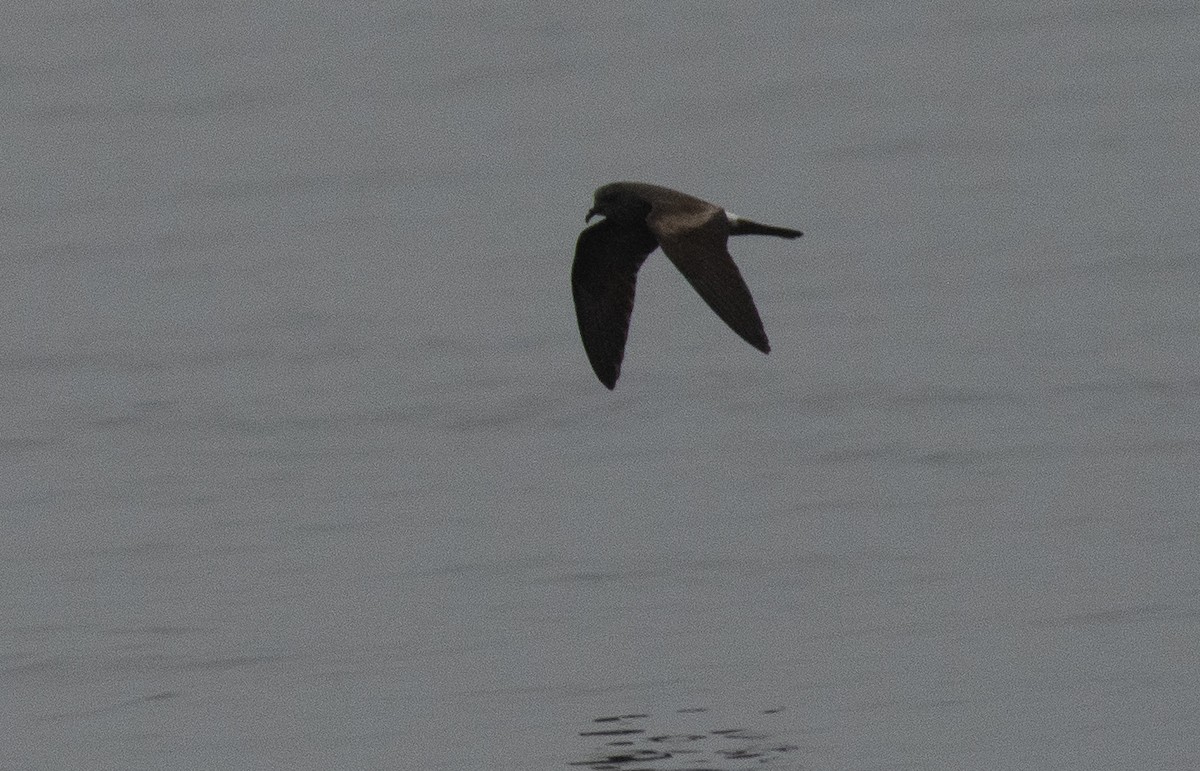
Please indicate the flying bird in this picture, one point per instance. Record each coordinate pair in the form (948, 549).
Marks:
(638, 218)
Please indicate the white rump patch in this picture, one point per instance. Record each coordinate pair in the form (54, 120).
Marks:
(733, 218)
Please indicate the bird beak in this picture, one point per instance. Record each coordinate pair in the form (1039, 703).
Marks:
(591, 213)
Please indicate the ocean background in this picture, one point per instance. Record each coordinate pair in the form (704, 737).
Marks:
(302, 465)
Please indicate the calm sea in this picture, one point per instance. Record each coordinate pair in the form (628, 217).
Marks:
(302, 464)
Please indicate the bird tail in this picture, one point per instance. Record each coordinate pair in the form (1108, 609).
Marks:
(741, 227)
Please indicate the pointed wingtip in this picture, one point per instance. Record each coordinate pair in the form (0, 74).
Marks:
(608, 376)
(759, 341)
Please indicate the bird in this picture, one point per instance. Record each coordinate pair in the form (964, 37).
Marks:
(638, 218)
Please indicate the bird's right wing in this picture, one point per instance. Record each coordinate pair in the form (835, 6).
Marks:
(694, 238)
(607, 258)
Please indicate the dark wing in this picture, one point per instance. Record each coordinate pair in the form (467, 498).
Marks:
(694, 238)
(607, 258)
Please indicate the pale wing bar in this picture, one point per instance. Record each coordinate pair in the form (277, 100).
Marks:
(701, 255)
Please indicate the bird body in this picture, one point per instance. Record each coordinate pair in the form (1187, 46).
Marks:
(638, 218)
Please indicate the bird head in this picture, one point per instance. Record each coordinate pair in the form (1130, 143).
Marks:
(617, 201)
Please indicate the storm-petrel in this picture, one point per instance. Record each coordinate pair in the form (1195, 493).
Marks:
(638, 218)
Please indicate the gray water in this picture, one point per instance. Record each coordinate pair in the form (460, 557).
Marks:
(304, 466)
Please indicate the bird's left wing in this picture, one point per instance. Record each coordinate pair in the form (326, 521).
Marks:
(603, 278)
